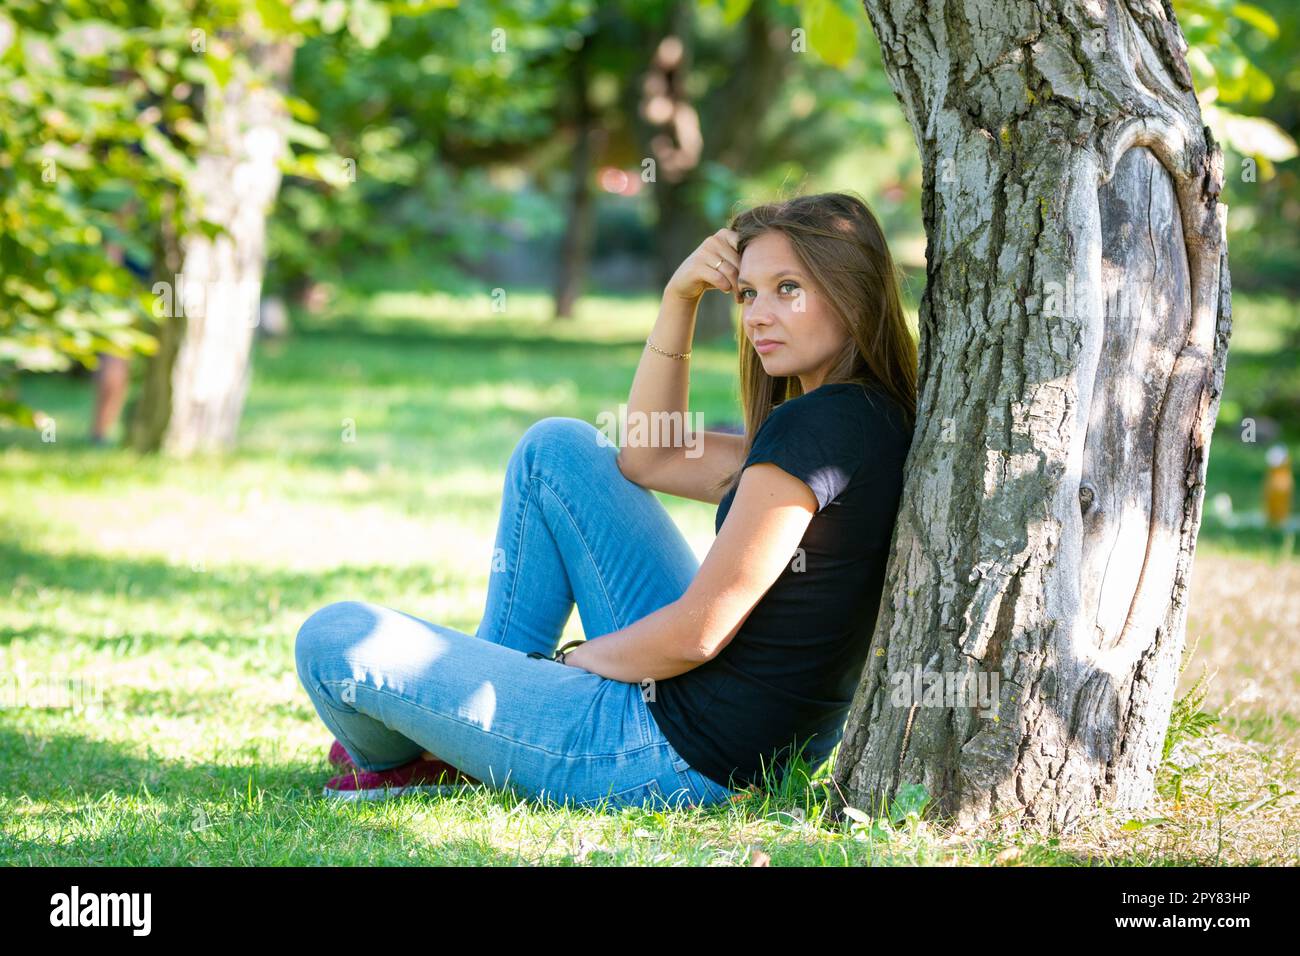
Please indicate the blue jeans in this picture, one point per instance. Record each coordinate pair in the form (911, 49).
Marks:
(572, 530)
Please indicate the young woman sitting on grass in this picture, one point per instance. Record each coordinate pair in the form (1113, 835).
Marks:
(696, 679)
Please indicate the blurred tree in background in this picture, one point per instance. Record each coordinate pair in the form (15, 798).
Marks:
(88, 161)
(473, 145)
(436, 114)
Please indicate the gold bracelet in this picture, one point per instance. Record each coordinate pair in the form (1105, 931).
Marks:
(676, 355)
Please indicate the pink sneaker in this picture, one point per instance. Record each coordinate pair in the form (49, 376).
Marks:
(418, 776)
(339, 756)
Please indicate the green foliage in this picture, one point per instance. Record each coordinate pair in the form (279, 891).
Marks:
(83, 172)
(412, 134)
(1225, 40)
(1186, 722)
(832, 27)
(102, 120)
(420, 120)
(1221, 35)
(380, 185)
(832, 32)
(905, 815)
(909, 803)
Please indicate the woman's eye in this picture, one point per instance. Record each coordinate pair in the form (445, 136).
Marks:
(788, 282)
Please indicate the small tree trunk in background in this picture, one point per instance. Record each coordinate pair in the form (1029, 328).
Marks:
(677, 145)
(681, 229)
(149, 409)
(196, 383)
(682, 136)
(1074, 334)
(575, 249)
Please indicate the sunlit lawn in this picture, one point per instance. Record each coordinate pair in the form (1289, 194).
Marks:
(175, 589)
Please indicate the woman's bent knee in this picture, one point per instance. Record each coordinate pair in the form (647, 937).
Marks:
(562, 438)
(560, 430)
(330, 626)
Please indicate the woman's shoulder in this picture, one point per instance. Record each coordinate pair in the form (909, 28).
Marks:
(832, 395)
(830, 399)
(855, 414)
(883, 413)
(824, 417)
(826, 408)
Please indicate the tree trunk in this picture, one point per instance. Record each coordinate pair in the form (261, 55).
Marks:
(1073, 339)
(677, 146)
(575, 248)
(196, 383)
(681, 138)
(682, 227)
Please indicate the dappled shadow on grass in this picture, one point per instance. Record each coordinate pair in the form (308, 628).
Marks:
(137, 642)
(226, 590)
(468, 336)
(57, 765)
(422, 404)
(112, 806)
(71, 799)
(284, 842)
(72, 462)
(422, 400)
(189, 701)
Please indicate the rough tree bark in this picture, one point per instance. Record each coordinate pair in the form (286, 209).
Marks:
(195, 384)
(1074, 334)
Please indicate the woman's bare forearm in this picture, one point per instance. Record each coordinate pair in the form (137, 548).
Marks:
(655, 647)
(661, 384)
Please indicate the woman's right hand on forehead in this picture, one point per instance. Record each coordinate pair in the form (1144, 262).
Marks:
(698, 271)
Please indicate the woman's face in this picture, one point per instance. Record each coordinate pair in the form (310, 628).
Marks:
(780, 303)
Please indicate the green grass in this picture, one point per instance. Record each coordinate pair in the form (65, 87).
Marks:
(176, 588)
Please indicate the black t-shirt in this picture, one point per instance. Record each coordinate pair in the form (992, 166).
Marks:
(789, 673)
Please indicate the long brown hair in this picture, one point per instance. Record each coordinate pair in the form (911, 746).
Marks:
(840, 244)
